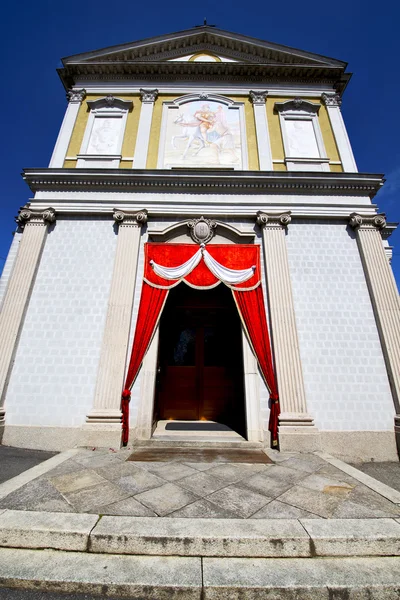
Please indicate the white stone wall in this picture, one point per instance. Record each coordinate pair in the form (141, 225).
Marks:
(54, 375)
(8, 265)
(346, 382)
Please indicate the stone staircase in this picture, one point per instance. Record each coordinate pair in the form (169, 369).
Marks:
(202, 559)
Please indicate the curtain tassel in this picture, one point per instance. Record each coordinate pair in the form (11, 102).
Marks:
(274, 419)
(125, 399)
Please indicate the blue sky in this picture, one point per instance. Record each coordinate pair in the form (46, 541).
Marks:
(35, 35)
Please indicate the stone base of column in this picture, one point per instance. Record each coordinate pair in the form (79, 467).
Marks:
(101, 435)
(2, 423)
(104, 415)
(397, 432)
(297, 433)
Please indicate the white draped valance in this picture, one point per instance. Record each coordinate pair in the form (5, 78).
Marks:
(227, 276)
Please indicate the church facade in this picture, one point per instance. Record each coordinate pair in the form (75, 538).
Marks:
(202, 247)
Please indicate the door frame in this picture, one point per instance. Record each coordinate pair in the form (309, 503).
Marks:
(144, 424)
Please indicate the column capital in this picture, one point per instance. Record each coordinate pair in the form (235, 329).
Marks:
(258, 96)
(76, 96)
(35, 217)
(331, 99)
(273, 220)
(130, 219)
(357, 221)
(148, 95)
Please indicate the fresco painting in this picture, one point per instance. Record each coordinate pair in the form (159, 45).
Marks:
(203, 134)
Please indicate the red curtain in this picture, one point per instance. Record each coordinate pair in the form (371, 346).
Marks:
(151, 304)
(249, 300)
(252, 309)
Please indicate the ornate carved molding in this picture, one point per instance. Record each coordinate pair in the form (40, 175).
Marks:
(76, 95)
(202, 230)
(331, 99)
(110, 102)
(130, 219)
(148, 95)
(360, 184)
(273, 220)
(367, 222)
(26, 215)
(297, 104)
(258, 97)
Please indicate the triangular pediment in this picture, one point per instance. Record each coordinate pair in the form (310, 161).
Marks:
(192, 44)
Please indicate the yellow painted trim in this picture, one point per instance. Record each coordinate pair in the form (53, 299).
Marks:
(329, 138)
(69, 164)
(252, 150)
(279, 167)
(193, 58)
(131, 129)
(125, 164)
(132, 124)
(275, 133)
(155, 131)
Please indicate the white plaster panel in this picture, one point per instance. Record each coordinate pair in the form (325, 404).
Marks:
(345, 377)
(8, 265)
(53, 379)
(301, 138)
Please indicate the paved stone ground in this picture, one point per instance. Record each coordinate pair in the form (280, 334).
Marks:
(297, 486)
(14, 461)
(16, 594)
(386, 472)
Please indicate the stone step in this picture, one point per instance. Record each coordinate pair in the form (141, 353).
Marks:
(196, 443)
(193, 578)
(157, 536)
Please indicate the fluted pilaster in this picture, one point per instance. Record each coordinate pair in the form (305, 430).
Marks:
(143, 135)
(107, 399)
(383, 292)
(258, 99)
(17, 296)
(283, 325)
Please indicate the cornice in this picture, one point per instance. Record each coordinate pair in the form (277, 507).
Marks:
(261, 74)
(203, 181)
(191, 40)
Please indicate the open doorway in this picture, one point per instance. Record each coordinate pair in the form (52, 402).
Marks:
(200, 361)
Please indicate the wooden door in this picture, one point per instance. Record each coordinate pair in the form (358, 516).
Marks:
(200, 361)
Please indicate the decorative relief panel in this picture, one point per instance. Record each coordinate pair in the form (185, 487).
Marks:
(102, 141)
(204, 130)
(104, 136)
(302, 138)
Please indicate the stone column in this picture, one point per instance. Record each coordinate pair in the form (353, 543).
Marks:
(75, 98)
(35, 225)
(263, 142)
(143, 134)
(332, 102)
(294, 421)
(384, 297)
(110, 378)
